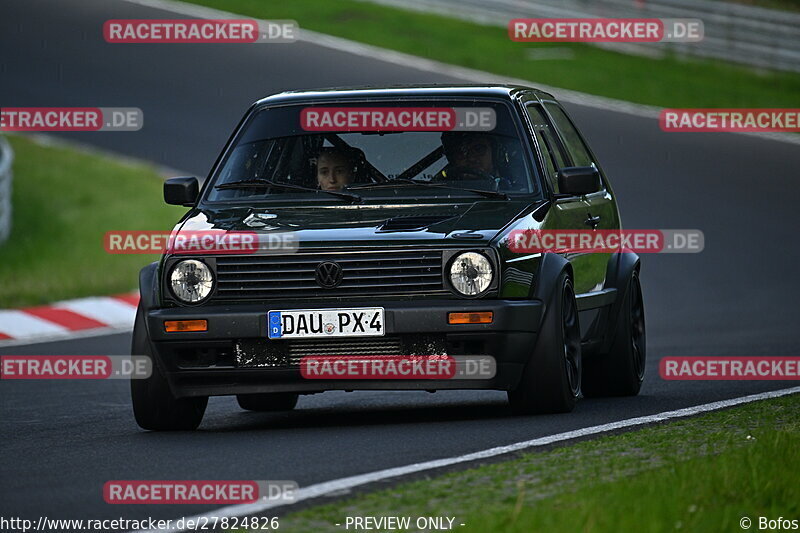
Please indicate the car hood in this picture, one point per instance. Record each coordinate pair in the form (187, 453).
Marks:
(476, 222)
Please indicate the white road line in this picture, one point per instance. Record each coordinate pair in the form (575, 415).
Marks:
(50, 140)
(347, 483)
(428, 65)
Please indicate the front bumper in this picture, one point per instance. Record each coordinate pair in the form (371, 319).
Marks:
(206, 363)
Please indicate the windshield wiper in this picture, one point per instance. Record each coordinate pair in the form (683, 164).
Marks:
(399, 182)
(266, 184)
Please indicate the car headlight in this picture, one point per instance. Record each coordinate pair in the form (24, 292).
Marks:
(191, 281)
(470, 273)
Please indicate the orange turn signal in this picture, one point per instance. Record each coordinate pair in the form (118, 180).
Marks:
(174, 326)
(481, 317)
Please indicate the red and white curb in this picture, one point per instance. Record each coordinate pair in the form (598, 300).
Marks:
(83, 317)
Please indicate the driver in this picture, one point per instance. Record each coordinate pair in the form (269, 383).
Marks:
(335, 169)
(468, 150)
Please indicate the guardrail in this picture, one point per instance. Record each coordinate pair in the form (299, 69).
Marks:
(754, 36)
(6, 158)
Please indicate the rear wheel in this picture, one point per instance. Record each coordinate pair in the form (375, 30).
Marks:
(620, 372)
(270, 401)
(552, 378)
(154, 406)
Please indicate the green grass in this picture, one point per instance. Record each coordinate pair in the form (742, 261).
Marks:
(698, 474)
(668, 82)
(786, 5)
(63, 203)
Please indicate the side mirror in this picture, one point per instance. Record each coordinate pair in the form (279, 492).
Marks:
(577, 181)
(181, 191)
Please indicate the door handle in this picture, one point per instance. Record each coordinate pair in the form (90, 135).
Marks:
(592, 221)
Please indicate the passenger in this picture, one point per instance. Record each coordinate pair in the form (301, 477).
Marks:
(335, 169)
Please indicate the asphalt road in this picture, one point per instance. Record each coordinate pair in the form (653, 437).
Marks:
(63, 440)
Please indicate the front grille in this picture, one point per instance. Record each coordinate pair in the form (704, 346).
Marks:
(363, 274)
(376, 346)
(283, 353)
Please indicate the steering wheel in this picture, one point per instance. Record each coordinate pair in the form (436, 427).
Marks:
(462, 172)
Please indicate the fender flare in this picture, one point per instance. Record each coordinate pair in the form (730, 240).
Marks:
(148, 299)
(148, 286)
(621, 266)
(550, 268)
(148, 295)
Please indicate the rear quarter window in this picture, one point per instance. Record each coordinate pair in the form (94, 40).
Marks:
(577, 148)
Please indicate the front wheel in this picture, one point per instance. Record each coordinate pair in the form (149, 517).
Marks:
(154, 406)
(551, 382)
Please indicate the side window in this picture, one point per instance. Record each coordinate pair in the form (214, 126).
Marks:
(576, 146)
(552, 151)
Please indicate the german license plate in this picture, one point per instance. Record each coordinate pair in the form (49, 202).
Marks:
(305, 323)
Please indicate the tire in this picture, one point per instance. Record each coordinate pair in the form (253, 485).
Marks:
(154, 406)
(266, 402)
(551, 381)
(620, 372)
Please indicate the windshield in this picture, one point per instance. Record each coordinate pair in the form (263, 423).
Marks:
(413, 149)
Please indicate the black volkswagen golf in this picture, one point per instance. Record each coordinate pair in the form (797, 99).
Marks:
(385, 220)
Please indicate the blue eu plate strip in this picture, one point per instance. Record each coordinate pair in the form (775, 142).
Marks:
(274, 324)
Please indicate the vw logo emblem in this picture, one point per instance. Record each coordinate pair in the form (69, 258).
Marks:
(329, 274)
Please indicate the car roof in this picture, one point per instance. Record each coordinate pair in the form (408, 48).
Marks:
(403, 91)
